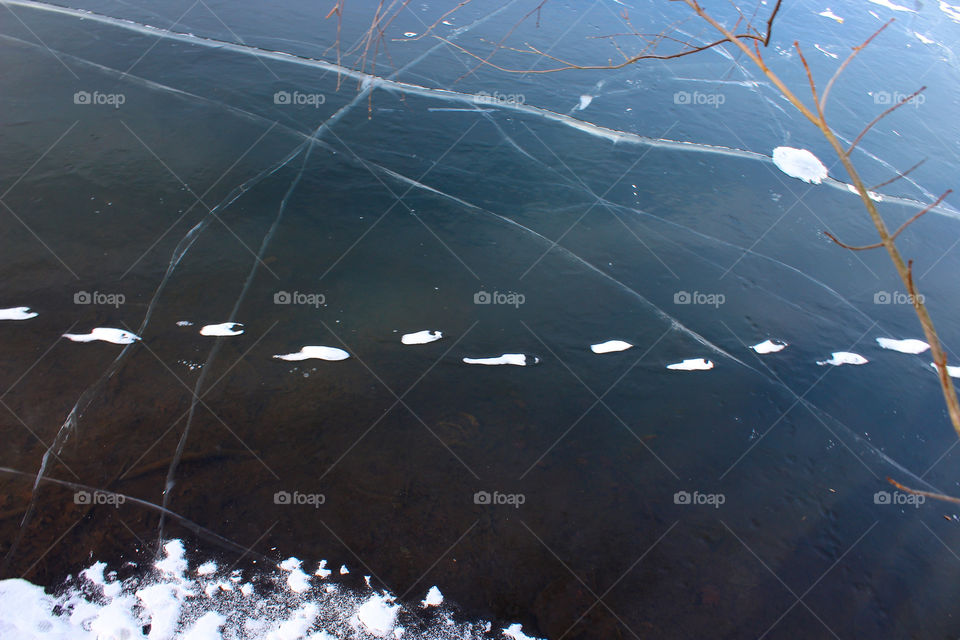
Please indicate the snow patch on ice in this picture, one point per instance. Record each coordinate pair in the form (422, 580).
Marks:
(434, 598)
(843, 357)
(518, 359)
(830, 14)
(421, 337)
(799, 163)
(585, 101)
(769, 346)
(610, 346)
(892, 6)
(515, 631)
(692, 364)
(952, 11)
(315, 352)
(922, 38)
(184, 323)
(104, 334)
(952, 371)
(17, 313)
(378, 615)
(910, 345)
(222, 329)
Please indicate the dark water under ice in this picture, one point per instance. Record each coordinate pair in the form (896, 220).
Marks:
(187, 191)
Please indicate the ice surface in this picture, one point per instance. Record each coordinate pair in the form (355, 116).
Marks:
(421, 337)
(610, 345)
(799, 163)
(770, 346)
(222, 329)
(17, 313)
(844, 357)
(909, 345)
(517, 359)
(315, 352)
(104, 334)
(692, 364)
(434, 598)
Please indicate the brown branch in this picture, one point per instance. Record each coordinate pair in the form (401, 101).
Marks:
(853, 54)
(880, 117)
(928, 494)
(898, 176)
(896, 233)
(813, 85)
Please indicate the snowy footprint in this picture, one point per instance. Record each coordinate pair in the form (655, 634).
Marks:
(17, 313)
(610, 346)
(421, 337)
(910, 345)
(692, 364)
(517, 359)
(104, 334)
(843, 357)
(770, 346)
(316, 353)
(223, 329)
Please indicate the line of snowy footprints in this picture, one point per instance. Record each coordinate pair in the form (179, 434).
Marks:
(318, 352)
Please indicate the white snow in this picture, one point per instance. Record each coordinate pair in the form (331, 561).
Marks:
(515, 631)
(953, 372)
(799, 163)
(844, 357)
(770, 346)
(378, 615)
(207, 568)
(952, 11)
(17, 313)
(434, 598)
(298, 581)
(174, 564)
(585, 101)
(922, 38)
(610, 346)
(890, 5)
(222, 329)
(421, 337)
(692, 364)
(322, 570)
(104, 334)
(830, 14)
(909, 345)
(184, 323)
(315, 352)
(517, 359)
(343, 570)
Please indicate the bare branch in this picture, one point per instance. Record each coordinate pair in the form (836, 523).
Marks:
(898, 176)
(853, 54)
(882, 116)
(928, 494)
